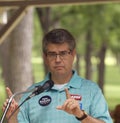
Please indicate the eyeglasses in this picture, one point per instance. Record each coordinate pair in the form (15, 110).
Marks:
(61, 54)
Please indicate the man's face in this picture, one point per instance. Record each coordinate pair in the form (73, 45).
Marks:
(59, 59)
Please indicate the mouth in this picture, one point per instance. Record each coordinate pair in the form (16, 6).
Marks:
(58, 67)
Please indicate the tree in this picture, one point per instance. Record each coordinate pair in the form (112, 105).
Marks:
(115, 33)
(44, 19)
(16, 63)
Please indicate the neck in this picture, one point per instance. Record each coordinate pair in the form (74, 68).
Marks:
(62, 79)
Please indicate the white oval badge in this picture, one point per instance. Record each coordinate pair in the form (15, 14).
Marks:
(45, 100)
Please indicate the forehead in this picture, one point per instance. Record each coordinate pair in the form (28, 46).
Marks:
(57, 47)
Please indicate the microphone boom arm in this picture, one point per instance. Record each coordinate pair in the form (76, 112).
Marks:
(10, 101)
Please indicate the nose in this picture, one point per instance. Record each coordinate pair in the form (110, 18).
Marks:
(58, 58)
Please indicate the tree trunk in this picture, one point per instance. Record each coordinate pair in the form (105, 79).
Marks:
(118, 58)
(101, 66)
(17, 68)
(88, 73)
(77, 64)
(44, 18)
(5, 60)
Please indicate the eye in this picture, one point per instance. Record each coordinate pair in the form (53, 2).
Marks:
(51, 54)
(63, 53)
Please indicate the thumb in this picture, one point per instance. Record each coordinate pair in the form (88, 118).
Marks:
(59, 107)
(9, 92)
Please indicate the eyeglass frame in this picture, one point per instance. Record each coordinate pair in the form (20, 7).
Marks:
(53, 55)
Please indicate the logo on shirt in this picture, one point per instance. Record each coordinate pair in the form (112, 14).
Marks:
(76, 96)
(45, 100)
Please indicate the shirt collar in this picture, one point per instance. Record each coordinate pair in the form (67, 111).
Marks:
(75, 81)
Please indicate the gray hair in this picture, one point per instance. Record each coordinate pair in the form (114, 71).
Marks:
(58, 36)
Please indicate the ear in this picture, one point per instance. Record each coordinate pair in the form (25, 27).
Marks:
(74, 53)
(45, 58)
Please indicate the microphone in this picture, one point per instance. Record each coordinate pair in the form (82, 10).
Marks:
(38, 89)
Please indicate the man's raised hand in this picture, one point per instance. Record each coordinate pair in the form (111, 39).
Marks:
(13, 105)
(70, 105)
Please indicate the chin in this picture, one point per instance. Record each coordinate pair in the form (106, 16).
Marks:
(60, 72)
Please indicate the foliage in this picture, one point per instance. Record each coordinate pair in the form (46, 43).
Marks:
(104, 20)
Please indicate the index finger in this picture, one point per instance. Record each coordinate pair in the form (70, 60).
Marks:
(67, 93)
(9, 92)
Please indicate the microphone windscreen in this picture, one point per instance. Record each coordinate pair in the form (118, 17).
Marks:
(48, 85)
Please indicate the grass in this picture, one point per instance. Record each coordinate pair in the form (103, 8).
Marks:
(112, 95)
(112, 85)
(111, 88)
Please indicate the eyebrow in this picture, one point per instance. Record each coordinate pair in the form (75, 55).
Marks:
(58, 51)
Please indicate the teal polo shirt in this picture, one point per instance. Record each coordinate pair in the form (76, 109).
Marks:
(42, 108)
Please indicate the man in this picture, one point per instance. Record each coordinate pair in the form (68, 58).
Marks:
(72, 99)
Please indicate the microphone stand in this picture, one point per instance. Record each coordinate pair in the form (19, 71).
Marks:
(35, 91)
(10, 101)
